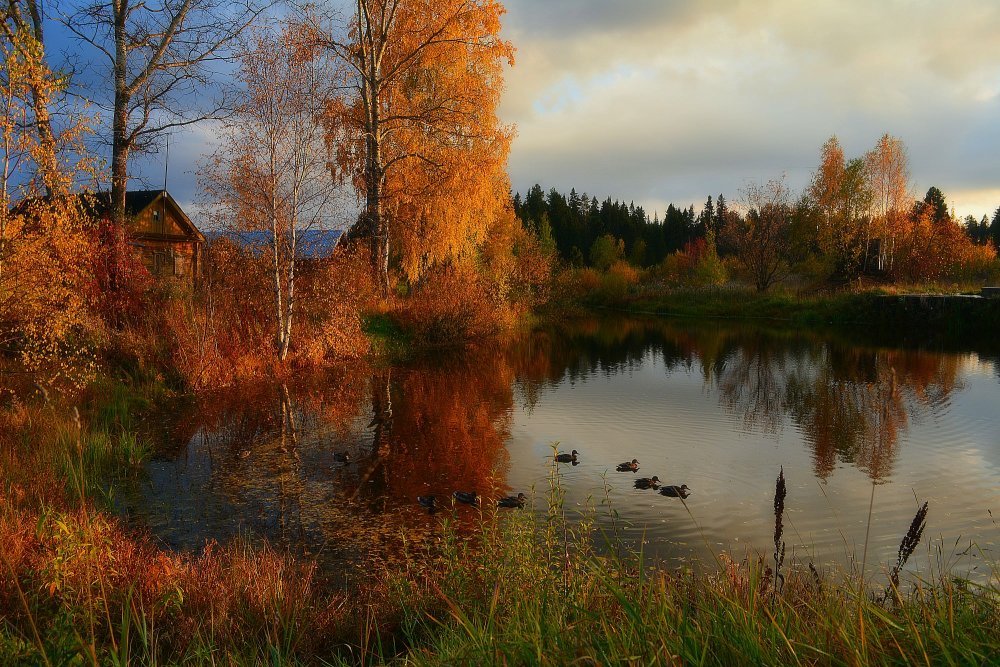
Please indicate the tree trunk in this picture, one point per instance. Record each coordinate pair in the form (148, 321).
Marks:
(372, 41)
(119, 127)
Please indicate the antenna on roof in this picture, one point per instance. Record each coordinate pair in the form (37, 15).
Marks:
(166, 165)
(163, 201)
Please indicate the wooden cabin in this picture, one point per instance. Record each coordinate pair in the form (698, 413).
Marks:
(168, 242)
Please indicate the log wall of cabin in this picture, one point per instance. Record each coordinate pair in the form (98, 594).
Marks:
(168, 258)
(158, 219)
(166, 249)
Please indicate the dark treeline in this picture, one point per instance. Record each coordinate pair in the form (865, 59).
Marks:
(575, 222)
(575, 225)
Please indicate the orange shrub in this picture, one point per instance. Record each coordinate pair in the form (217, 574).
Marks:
(588, 280)
(450, 306)
(675, 268)
(226, 332)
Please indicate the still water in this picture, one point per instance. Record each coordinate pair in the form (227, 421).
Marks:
(718, 407)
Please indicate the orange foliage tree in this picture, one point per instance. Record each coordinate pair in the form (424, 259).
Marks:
(425, 147)
(45, 245)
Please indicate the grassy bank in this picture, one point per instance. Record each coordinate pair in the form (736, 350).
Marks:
(79, 587)
(891, 315)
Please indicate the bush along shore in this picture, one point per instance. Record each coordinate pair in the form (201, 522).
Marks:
(533, 586)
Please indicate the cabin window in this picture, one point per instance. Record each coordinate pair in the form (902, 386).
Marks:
(180, 265)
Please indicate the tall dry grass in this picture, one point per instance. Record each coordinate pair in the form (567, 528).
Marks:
(79, 587)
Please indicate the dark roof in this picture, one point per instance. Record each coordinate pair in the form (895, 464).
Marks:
(99, 203)
(312, 243)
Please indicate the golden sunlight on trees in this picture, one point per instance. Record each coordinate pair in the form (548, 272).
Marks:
(23, 51)
(269, 175)
(46, 249)
(888, 174)
(425, 147)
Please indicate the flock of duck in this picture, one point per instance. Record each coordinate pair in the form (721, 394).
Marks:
(644, 483)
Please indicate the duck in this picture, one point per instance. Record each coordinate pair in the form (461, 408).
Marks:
(342, 457)
(567, 458)
(513, 501)
(675, 491)
(430, 502)
(467, 497)
(628, 466)
(647, 482)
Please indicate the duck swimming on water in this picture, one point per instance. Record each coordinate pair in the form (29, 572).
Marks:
(513, 501)
(647, 482)
(430, 502)
(628, 466)
(675, 491)
(567, 458)
(467, 497)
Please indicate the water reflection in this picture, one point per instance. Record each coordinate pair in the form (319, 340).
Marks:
(332, 466)
(851, 402)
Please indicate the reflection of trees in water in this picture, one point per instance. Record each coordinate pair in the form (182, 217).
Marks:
(451, 421)
(750, 380)
(592, 347)
(264, 457)
(854, 403)
(851, 402)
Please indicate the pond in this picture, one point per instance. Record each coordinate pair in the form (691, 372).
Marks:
(716, 406)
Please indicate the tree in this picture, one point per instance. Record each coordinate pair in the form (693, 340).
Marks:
(887, 169)
(761, 237)
(826, 194)
(158, 56)
(935, 203)
(428, 151)
(22, 31)
(605, 251)
(271, 170)
(995, 229)
(46, 245)
(978, 231)
(841, 196)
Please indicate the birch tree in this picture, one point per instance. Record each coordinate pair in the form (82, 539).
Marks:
(428, 152)
(23, 36)
(889, 182)
(271, 172)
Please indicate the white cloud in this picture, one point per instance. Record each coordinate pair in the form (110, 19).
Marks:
(659, 102)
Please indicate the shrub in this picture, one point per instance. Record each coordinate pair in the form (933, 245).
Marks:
(451, 306)
(587, 280)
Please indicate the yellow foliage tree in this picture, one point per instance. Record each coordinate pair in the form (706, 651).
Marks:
(45, 245)
(425, 147)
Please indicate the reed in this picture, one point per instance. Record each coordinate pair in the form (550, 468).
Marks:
(909, 543)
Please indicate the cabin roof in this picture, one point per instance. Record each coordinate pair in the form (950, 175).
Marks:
(136, 201)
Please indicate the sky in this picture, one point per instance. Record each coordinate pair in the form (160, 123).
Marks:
(658, 101)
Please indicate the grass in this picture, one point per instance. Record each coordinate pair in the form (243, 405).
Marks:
(388, 340)
(530, 589)
(523, 587)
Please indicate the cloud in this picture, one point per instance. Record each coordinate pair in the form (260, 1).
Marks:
(661, 102)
